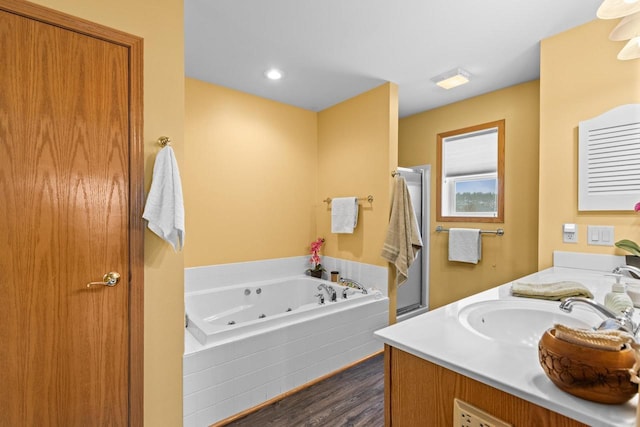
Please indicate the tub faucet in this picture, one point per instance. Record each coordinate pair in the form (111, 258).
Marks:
(628, 269)
(333, 296)
(612, 320)
(352, 283)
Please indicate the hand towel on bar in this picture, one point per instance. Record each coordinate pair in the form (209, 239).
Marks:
(403, 239)
(465, 245)
(344, 214)
(164, 208)
(552, 291)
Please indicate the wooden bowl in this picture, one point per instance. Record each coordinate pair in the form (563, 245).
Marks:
(597, 375)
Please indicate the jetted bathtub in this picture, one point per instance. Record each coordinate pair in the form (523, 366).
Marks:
(216, 315)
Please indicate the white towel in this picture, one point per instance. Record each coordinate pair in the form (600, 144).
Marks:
(465, 245)
(344, 214)
(164, 208)
(403, 240)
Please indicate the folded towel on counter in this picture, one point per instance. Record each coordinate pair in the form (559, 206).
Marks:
(465, 245)
(551, 291)
(403, 241)
(164, 208)
(344, 214)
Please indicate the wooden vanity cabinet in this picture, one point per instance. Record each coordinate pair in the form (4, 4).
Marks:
(420, 393)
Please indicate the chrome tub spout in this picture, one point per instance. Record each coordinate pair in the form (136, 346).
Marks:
(352, 283)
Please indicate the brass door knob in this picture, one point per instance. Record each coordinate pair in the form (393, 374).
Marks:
(112, 278)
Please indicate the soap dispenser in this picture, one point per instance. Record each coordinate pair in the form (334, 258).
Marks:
(617, 300)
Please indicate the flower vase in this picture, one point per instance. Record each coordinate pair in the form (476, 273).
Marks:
(316, 273)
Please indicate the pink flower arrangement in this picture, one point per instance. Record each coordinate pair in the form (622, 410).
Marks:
(316, 245)
(637, 207)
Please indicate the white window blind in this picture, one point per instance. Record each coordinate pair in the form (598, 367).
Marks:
(609, 160)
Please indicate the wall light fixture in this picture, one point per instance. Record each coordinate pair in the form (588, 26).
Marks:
(627, 29)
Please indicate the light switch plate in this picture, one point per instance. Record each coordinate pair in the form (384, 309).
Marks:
(601, 235)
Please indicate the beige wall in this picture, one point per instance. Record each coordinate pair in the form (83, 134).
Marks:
(357, 142)
(161, 26)
(580, 79)
(503, 258)
(258, 172)
(357, 150)
(251, 176)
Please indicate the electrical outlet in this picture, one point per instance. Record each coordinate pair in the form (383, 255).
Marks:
(465, 415)
(570, 233)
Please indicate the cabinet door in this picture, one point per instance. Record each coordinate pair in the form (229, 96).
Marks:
(420, 393)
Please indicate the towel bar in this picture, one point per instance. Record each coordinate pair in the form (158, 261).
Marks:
(499, 231)
(369, 199)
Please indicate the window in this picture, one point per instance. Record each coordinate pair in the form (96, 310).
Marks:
(471, 171)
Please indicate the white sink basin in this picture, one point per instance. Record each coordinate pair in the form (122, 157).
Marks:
(522, 321)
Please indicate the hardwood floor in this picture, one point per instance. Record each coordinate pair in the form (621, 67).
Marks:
(352, 398)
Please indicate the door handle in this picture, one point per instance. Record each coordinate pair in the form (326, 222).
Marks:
(110, 279)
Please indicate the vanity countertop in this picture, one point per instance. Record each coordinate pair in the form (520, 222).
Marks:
(439, 337)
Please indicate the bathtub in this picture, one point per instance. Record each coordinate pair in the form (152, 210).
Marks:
(247, 344)
(234, 311)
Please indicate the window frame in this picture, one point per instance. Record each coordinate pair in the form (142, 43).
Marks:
(453, 216)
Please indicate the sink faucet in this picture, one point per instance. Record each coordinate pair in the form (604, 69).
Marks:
(628, 269)
(623, 321)
(352, 283)
(333, 296)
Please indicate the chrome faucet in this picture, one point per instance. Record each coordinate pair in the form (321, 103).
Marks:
(628, 269)
(612, 320)
(333, 296)
(352, 283)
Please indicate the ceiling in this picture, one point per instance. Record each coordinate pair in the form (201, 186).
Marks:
(332, 50)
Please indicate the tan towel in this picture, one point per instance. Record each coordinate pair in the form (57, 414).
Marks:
(552, 291)
(403, 239)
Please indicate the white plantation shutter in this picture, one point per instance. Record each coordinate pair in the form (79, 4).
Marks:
(609, 160)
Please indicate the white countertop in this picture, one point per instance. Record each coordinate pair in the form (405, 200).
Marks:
(439, 337)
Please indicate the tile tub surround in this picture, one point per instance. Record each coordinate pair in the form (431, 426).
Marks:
(512, 368)
(235, 375)
(201, 278)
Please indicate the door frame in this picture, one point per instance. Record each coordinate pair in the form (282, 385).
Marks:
(135, 284)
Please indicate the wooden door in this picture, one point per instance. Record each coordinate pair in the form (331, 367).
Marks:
(69, 196)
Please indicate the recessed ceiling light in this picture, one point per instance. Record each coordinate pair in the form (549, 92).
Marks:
(273, 74)
(452, 78)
